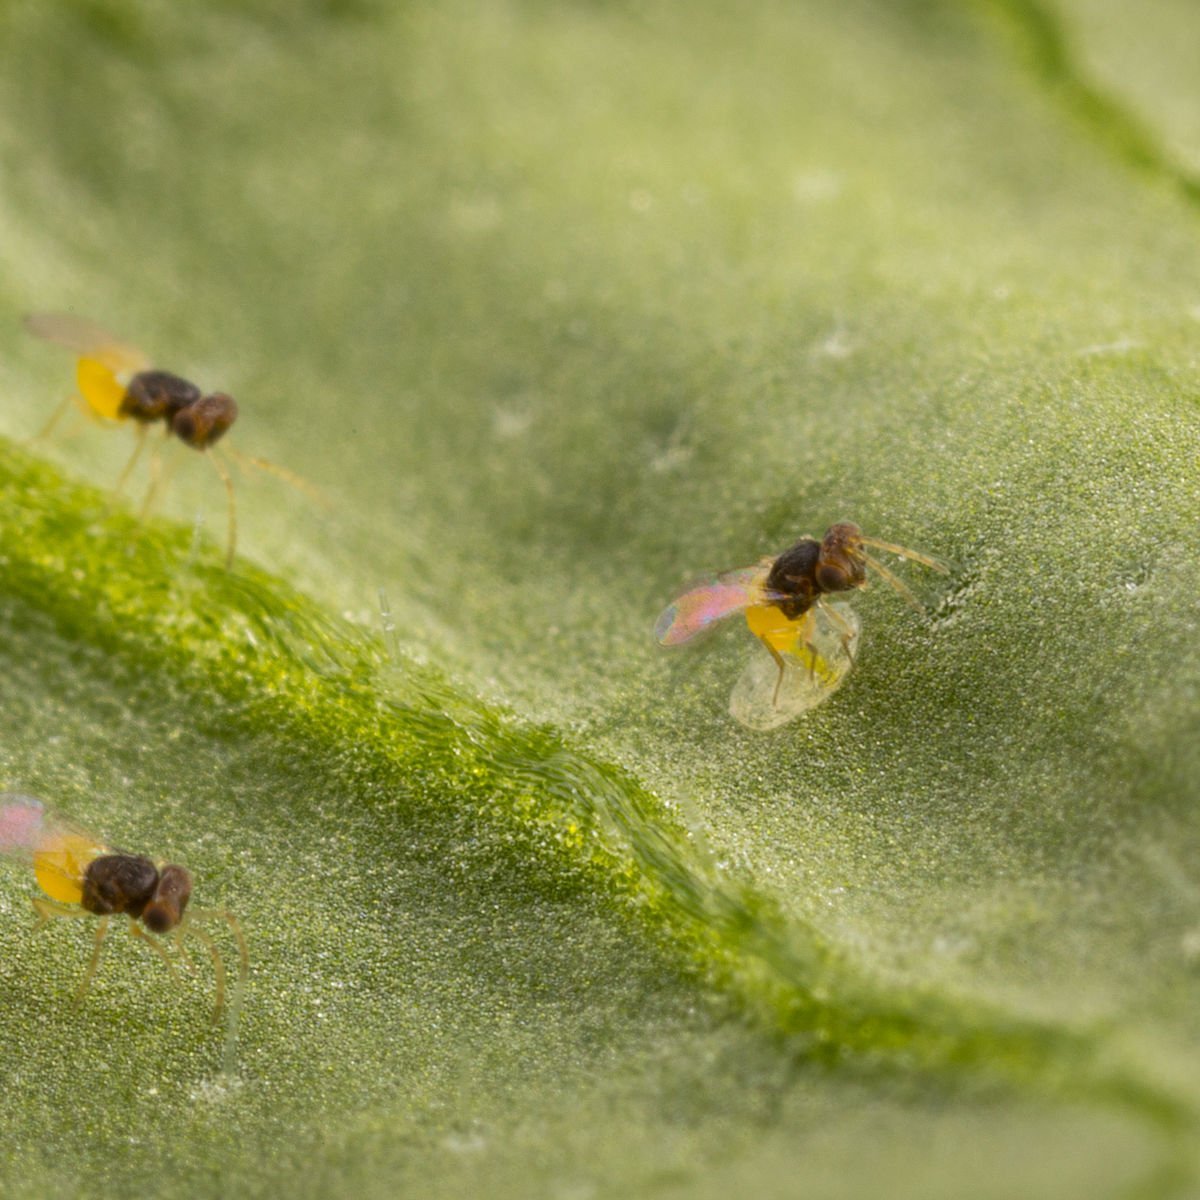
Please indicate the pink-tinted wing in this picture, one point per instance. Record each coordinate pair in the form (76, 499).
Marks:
(702, 606)
(23, 825)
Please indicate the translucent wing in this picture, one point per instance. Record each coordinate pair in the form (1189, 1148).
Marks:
(698, 609)
(58, 851)
(22, 825)
(87, 339)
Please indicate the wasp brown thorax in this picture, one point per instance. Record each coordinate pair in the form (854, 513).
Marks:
(792, 579)
(119, 883)
(841, 566)
(205, 421)
(157, 395)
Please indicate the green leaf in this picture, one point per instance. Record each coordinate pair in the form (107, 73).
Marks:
(560, 306)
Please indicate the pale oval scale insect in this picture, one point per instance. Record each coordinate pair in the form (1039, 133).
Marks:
(815, 666)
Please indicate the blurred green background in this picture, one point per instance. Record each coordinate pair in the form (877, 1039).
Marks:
(561, 305)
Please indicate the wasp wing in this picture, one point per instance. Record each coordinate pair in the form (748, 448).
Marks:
(704, 604)
(58, 850)
(23, 825)
(87, 339)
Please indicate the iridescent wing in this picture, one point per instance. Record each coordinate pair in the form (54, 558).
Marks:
(88, 340)
(700, 607)
(58, 850)
(23, 821)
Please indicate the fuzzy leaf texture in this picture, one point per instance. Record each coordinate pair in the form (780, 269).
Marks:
(560, 307)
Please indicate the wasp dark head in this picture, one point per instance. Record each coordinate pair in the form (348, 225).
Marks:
(841, 565)
(165, 908)
(205, 421)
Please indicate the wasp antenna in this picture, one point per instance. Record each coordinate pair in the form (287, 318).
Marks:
(235, 927)
(190, 930)
(239, 991)
(897, 583)
(924, 559)
(270, 468)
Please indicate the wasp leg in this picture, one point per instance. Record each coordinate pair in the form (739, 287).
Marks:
(812, 661)
(782, 667)
(85, 983)
(189, 929)
(132, 461)
(158, 480)
(135, 930)
(56, 416)
(222, 470)
(48, 910)
(847, 630)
